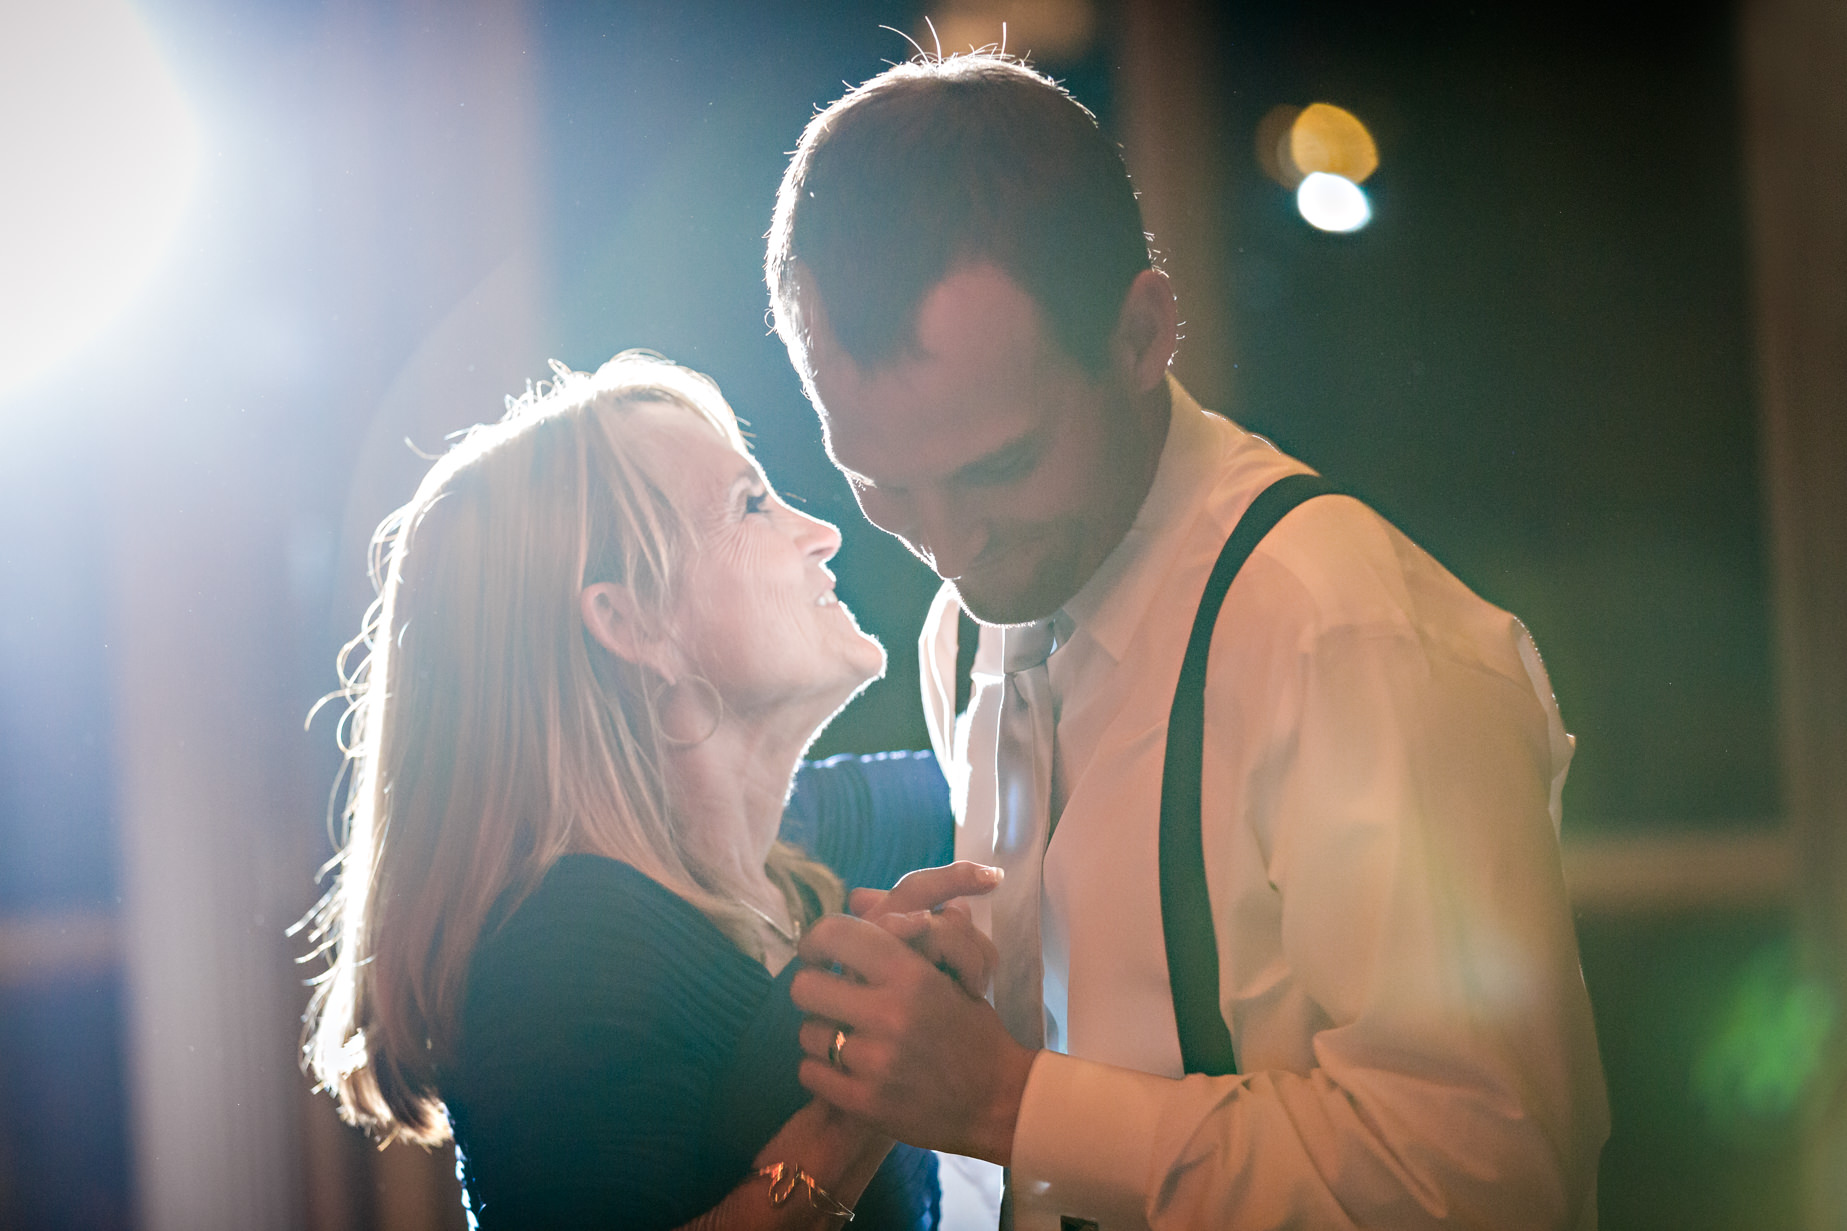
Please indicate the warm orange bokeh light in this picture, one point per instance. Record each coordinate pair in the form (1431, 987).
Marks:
(1051, 30)
(1296, 142)
(1332, 140)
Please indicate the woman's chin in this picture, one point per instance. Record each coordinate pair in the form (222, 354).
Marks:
(870, 662)
(859, 669)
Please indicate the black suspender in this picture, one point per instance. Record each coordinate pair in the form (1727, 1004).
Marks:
(1186, 910)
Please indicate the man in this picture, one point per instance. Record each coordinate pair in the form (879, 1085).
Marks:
(958, 269)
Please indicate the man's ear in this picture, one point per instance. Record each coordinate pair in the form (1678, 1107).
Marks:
(1147, 330)
(614, 618)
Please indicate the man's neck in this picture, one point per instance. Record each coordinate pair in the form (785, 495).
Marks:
(1143, 441)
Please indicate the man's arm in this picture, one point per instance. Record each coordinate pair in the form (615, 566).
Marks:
(1452, 1076)
(1455, 1077)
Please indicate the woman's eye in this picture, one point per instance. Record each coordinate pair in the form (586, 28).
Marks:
(758, 502)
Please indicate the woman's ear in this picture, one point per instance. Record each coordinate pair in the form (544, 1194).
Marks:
(615, 620)
(1147, 330)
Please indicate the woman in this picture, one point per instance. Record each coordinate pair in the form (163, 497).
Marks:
(563, 925)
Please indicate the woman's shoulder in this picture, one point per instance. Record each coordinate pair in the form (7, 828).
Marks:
(583, 880)
(592, 897)
(598, 938)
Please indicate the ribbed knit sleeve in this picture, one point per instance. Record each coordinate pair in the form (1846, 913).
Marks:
(622, 1062)
(872, 818)
(596, 1023)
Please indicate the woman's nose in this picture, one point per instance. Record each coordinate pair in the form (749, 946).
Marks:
(820, 539)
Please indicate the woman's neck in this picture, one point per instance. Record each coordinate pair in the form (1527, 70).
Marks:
(729, 789)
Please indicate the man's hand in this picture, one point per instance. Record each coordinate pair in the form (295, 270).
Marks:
(923, 1060)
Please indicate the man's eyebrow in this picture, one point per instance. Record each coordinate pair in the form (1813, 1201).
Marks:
(1016, 450)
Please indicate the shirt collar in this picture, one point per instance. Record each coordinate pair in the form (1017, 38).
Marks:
(1112, 603)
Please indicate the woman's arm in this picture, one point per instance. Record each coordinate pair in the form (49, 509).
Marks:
(625, 1066)
(838, 1150)
(872, 818)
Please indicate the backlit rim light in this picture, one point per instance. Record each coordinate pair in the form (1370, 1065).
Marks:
(89, 105)
(1333, 203)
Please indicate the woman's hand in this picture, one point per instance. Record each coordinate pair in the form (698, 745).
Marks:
(949, 940)
(926, 889)
(921, 911)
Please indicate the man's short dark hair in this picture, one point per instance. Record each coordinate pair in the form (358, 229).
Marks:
(937, 163)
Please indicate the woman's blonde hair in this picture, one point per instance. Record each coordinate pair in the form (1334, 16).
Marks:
(487, 733)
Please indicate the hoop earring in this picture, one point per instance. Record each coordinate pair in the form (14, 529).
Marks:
(717, 707)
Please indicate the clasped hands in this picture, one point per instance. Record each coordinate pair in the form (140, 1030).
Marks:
(902, 981)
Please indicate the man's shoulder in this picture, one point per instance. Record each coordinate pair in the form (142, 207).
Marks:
(1334, 562)
(1337, 572)
(1325, 561)
(1348, 563)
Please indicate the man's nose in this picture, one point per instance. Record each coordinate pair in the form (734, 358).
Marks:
(947, 534)
(945, 537)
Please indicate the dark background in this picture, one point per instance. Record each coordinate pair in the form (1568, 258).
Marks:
(1536, 360)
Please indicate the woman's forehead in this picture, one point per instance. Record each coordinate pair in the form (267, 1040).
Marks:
(685, 452)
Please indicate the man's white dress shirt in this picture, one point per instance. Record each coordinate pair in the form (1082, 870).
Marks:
(1383, 766)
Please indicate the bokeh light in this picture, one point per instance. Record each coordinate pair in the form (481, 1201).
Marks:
(1333, 203)
(100, 153)
(1323, 153)
(1757, 1067)
(1046, 30)
(1273, 144)
(1326, 138)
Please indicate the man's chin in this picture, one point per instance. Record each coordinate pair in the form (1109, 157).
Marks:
(993, 603)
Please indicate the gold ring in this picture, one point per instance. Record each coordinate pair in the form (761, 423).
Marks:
(834, 1049)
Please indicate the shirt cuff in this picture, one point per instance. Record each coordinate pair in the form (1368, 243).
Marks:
(1082, 1144)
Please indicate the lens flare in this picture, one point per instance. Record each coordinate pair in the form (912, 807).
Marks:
(101, 154)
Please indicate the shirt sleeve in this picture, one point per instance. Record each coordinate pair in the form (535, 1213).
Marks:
(1403, 808)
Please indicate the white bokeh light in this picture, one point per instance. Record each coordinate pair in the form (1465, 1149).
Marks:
(100, 155)
(1333, 203)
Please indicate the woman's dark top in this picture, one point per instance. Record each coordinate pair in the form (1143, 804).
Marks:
(622, 1062)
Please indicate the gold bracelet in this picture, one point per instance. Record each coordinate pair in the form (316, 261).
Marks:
(784, 1178)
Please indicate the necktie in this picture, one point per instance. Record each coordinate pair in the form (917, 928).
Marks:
(1023, 774)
